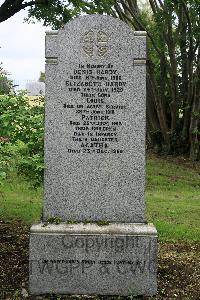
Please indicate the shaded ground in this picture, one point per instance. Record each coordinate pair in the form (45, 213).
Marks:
(178, 267)
(179, 160)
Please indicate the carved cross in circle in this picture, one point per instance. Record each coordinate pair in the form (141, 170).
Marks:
(95, 43)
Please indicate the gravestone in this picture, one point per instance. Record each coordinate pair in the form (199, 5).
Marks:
(35, 88)
(95, 161)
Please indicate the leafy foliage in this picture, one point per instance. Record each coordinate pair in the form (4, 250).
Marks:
(59, 12)
(5, 83)
(9, 8)
(42, 77)
(10, 154)
(173, 63)
(22, 136)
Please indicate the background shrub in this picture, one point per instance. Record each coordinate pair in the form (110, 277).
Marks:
(21, 136)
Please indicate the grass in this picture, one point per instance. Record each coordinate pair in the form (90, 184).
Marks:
(19, 201)
(172, 200)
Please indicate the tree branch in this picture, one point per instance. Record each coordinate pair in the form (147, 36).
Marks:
(36, 2)
(10, 8)
(6, 4)
(161, 3)
(189, 25)
(153, 7)
(196, 46)
(119, 11)
(141, 26)
(133, 5)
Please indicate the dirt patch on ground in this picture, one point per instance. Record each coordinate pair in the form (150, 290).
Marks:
(178, 267)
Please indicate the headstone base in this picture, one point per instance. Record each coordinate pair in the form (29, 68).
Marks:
(114, 259)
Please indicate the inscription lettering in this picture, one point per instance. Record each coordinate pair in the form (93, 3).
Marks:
(94, 116)
(104, 267)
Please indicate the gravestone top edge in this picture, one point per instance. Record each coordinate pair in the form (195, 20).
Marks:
(140, 33)
(96, 16)
(51, 32)
(55, 39)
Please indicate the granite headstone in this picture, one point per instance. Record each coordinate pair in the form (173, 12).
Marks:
(95, 122)
(95, 160)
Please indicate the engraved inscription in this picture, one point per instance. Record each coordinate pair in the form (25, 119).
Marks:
(137, 264)
(71, 266)
(94, 120)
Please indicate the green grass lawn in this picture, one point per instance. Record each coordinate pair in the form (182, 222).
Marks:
(19, 201)
(172, 199)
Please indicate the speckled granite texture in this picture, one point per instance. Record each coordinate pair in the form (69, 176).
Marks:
(95, 121)
(90, 259)
(95, 161)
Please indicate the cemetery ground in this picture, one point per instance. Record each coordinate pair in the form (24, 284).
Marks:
(172, 197)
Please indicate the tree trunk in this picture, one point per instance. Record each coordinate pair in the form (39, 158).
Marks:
(195, 117)
(158, 106)
(154, 135)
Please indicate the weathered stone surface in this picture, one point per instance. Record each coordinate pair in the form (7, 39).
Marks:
(95, 121)
(94, 156)
(51, 46)
(91, 259)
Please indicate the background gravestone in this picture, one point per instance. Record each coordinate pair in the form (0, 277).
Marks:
(94, 156)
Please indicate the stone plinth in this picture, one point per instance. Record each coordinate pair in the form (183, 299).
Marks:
(115, 259)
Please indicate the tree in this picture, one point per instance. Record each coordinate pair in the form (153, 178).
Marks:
(52, 12)
(173, 64)
(42, 77)
(5, 83)
(173, 103)
(59, 12)
(11, 7)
